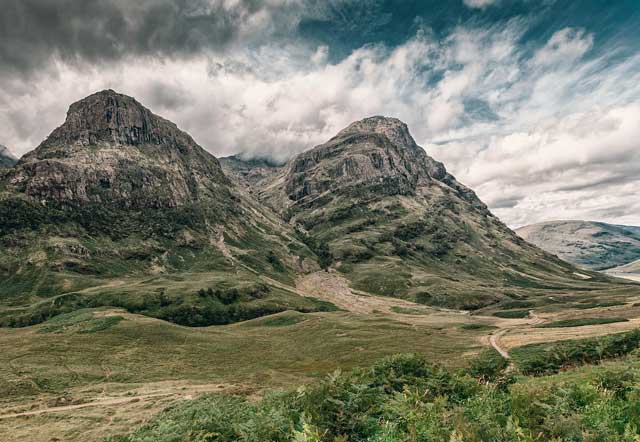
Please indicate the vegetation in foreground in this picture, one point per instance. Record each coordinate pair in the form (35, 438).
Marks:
(404, 398)
(537, 359)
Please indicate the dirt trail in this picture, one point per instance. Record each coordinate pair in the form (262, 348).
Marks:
(97, 403)
(160, 391)
(494, 339)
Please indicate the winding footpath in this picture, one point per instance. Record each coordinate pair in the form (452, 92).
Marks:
(494, 339)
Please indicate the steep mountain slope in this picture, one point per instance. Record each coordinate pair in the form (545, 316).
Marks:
(7, 159)
(250, 174)
(588, 244)
(374, 205)
(117, 191)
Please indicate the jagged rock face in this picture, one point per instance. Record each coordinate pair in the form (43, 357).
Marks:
(375, 155)
(6, 158)
(112, 150)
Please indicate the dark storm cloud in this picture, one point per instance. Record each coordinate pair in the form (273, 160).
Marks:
(34, 31)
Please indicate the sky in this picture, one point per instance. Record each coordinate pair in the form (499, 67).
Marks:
(535, 104)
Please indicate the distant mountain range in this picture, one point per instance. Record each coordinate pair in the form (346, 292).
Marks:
(592, 245)
(119, 192)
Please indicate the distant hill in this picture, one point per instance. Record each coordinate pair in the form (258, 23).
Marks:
(633, 267)
(7, 159)
(251, 174)
(592, 245)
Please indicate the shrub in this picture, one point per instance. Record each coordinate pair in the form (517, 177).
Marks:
(512, 314)
(537, 359)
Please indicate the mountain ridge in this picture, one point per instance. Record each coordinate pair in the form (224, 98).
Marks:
(590, 244)
(119, 192)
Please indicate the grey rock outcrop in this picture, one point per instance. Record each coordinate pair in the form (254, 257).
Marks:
(112, 150)
(377, 154)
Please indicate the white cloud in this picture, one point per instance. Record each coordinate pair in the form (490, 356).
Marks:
(479, 3)
(564, 47)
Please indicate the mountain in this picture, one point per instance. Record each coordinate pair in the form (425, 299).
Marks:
(112, 151)
(7, 159)
(120, 207)
(119, 192)
(371, 203)
(592, 245)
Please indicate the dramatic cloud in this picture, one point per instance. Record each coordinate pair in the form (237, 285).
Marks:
(33, 32)
(541, 128)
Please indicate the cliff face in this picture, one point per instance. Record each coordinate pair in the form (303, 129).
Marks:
(376, 155)
(112, 150)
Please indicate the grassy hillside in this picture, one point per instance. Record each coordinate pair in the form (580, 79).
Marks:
(408, 247)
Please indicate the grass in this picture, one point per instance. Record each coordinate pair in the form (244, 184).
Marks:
(409, 311)
(477, 327)
(590, 305)
(141, 349)
(80, 322)
(284, 320)
(404, 398)
(581, 322)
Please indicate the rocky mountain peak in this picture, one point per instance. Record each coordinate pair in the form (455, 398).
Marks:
(395, 130)
(376, 155)
(108, 117)
(111, 149)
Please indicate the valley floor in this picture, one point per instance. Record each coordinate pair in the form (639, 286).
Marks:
(74, 385)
